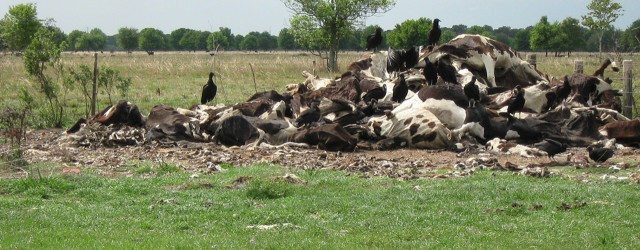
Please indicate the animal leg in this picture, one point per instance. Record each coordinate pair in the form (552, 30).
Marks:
(472, 128)
(490, 67)
(530, 71)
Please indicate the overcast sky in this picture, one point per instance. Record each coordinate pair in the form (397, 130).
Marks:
(243, 16)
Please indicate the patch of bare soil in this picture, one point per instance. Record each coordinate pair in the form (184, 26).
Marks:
(204, 158)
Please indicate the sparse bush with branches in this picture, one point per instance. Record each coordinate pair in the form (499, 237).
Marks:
(111, 81)
(43, 65)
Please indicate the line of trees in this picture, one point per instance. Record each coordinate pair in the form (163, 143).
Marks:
(570, 34)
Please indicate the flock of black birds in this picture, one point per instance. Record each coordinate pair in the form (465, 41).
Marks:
(400, 60)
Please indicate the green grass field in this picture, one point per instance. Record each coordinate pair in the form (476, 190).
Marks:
(165, 208)
(161, 206)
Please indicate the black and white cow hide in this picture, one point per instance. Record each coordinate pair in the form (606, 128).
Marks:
(501, 63)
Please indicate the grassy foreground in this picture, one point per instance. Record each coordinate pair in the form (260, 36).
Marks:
(163, 207)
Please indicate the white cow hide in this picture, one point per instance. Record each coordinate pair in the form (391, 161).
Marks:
(414, 123)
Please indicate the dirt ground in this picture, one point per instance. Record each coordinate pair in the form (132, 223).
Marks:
(46, 146)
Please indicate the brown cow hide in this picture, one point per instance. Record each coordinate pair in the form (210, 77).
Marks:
(331, 137)
(235, 131)
(584, 88)
(610, 99)
(123, 112)
(627, 132)
(166, 121)
(254, 108)
(346, 89)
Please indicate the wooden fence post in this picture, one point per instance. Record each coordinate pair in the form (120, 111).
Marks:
(94, 91)
(314, 68)
(627, 76)
(578, 67)
(532, 59)
(255, 85)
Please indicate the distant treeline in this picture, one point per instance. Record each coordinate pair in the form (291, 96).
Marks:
(566, 36)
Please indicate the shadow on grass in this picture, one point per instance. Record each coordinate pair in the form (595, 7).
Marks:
(268, 189)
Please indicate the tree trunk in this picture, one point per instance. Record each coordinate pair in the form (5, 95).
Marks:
(600, 42)
(332, 61)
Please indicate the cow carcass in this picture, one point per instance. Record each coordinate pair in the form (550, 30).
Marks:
(356, 108)
(497, 63)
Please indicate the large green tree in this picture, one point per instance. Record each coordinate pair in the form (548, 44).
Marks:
(412, 32)
(602, 14)
(94, 40)
(2, 45)
(203, 36)
(127, 38)
(573, 34)
(267, 41)
(459, 28)
(559, 41)
(19, 26)
(221, 39)
(481, 30)
(217, 40)
(319, 25)
(73, 37)
(631, 37)
(352, 41)
(176, 36)
(541, 36)
(189, 40)
(522, 40)
(58, 35)
(151, 39)
(99, 39)
(250, 42)
(286, 41)
(447, 35)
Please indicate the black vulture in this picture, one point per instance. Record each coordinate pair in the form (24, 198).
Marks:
(472, 91)
(309, 116)
(374, 40)
(599, 154)
(434, 33)
(552, 147)
(564, 90)
(395, 60)
(400, 90)
(552, 99)
(411, 57)
(209, 90)
(516, 103)
(430, 72)
(375, 94)
(447, 71)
